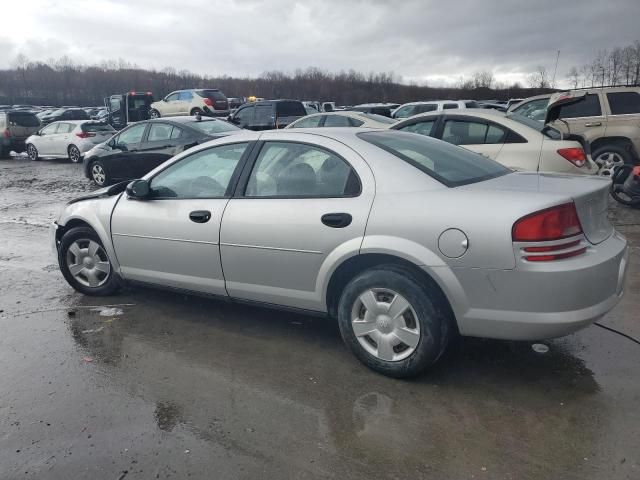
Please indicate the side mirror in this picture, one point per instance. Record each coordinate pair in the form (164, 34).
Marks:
(138, 189)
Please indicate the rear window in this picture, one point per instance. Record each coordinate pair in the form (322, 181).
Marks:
(471, 104)
(290, 109)
(589, 107)
(453, 166)
(24, 119)
(378, 118)
(213, 126)
(624, 102)
(211, 94)
(97, 127)
(536, 125)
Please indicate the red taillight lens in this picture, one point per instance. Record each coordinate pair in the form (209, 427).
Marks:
(574, 155)
(6, 133)
(553, 223)
(208, 102)
(85, 134)
(636, 171)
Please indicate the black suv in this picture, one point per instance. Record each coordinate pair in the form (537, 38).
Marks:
(65, 114)
(268, 114)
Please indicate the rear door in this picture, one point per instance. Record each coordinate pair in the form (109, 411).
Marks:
(303, 198)
(44, 142)
(185, 99)
(172, 105)
(623, 113)
(172, 238)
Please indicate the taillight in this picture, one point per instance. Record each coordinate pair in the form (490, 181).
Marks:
(575, 155)
(85, 134)
(6, 133)
(552, 224)
(208, 102)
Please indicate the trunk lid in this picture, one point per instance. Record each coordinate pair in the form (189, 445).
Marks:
(590, 195)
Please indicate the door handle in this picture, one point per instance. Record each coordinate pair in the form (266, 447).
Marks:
(336, 220)
(593, 124)
(200, 216)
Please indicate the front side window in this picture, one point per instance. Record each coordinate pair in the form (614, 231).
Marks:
(405, 112)
(245, 115)
(448, 164)
(264, 115)
(589, 107)
(429, 107)
(287, 169)
(159, 132)
(132, 135)
(65, 128)
(49, 129)
(205, 174)
(463, 132)
(449, 106)
(172, 96)
(423, 128)
(185, 96)
(213, 126)
(309, 122)
(337, 121)
(622, 103)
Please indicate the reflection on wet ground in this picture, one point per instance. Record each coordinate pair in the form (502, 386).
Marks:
(163, 385)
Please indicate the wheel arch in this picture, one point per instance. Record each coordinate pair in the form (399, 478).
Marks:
(619, 140)
(354, 265)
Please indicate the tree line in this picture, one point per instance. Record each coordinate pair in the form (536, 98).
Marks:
(63, 82)
(619, 66)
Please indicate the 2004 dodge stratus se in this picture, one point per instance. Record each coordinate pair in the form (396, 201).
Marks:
(406, 240)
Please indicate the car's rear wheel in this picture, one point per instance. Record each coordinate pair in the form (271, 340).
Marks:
(392, 322)
(74, 154)
(32, 152)
(99, 174)
(610, 157)
(153, 113)
(196, 111)
(84, 263)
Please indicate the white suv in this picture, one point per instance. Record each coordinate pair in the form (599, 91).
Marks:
(410, 109)
(208, 101)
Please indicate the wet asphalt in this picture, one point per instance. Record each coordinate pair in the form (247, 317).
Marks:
(149, 384)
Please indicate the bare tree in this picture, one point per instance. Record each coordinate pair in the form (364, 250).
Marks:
(539, 78)
(573, 77)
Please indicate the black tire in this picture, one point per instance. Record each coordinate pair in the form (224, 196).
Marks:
(153, 113)
(74, 154)
(109, 284)
(436, 324)
(196, 111)
(99, 174)
(32, 151)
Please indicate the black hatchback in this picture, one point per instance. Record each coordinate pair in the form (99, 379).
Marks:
(143, 146)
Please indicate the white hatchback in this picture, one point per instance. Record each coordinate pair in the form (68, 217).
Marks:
(70, 139)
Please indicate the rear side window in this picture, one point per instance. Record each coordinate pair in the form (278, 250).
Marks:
(309, 122)
(430, 107)
(449, 106)
(462, 132)
(589, 107)
(23, 119)
(159, 131)
(185, 96)
(448, 164)
(213, 126)
(471, 104)
(405, 112)
(289, 170)
(290, 109)
(622, 103)
(423, 128)
(337, 121)
(97, 127)
(211, 94)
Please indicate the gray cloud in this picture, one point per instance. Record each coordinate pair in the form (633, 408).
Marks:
(417, 39)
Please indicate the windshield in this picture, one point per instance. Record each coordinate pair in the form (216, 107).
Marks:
(451, 165)
(378, 118)
(213, 126)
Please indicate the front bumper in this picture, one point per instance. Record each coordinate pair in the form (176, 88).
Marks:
(549, 300)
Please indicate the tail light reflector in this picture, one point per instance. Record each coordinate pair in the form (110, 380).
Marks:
(551, 248)
(555, 256)
(85, 134)
(574, 155)
(6, 133)
(208, 102)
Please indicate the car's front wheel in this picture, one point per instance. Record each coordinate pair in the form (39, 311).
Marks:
(74, 154)
(153, 113)
(84, 263)
(32, 152)
(99, 174)
(392, 322)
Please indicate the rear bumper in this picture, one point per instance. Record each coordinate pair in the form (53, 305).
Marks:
(17, 144)
(549, 300)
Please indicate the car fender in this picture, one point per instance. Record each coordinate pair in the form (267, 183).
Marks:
(97, 214)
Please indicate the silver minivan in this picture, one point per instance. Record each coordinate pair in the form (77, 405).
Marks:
(15, 128)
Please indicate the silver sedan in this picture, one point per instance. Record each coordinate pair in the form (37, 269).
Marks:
(406, 240)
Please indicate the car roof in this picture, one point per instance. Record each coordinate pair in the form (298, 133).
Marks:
(489, 114)
(184, 119)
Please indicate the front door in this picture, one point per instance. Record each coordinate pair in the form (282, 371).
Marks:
(124, 156)
(172, 238)
(61, 139)
(44, 142)
(303, 204)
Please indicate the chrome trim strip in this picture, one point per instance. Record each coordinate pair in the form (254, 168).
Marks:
(164, 238)
(315, 252)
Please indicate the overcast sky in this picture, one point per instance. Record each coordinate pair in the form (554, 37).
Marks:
(436, 41)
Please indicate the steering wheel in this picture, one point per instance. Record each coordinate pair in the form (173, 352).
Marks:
(205, 185)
